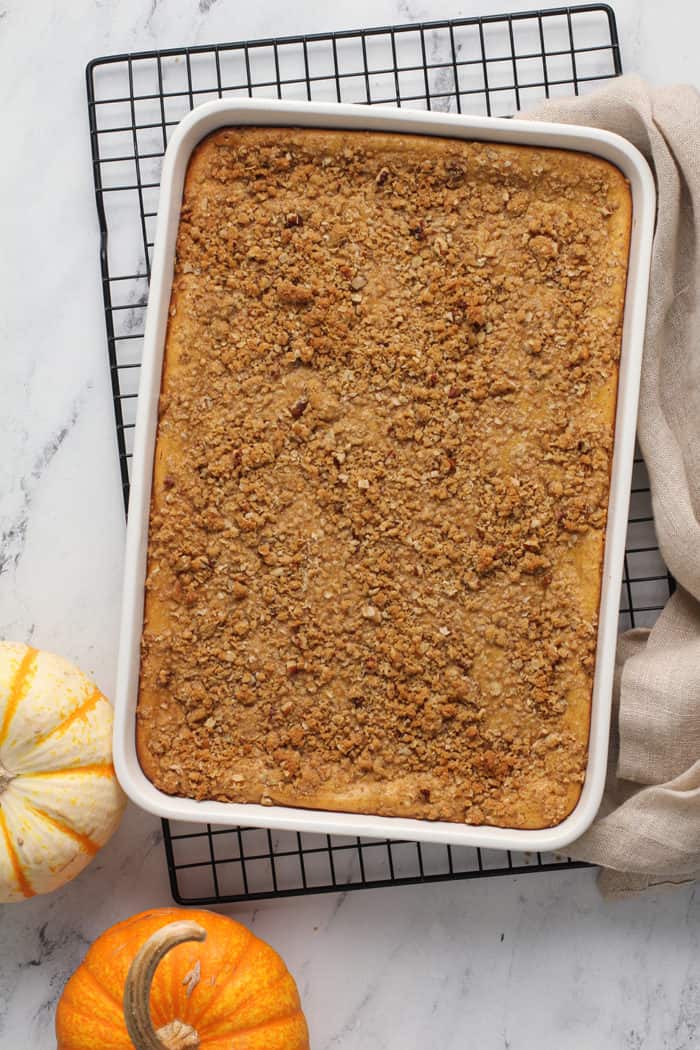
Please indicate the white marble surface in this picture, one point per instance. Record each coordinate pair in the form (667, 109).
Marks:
(526, 963)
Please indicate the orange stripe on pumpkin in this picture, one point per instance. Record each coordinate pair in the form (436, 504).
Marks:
(224, 1026)
(99, 769)
(270, 1022)
(85, 973)
(18, 689)
(197, 1012)
(282, 976)
(80, 712)
(21, 878)
(82, 840)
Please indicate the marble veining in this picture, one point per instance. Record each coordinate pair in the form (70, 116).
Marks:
(520, 963)
(14, 533)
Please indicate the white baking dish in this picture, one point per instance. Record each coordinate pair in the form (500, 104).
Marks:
(193, 128)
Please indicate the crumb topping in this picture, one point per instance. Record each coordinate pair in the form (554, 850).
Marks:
(382, 470)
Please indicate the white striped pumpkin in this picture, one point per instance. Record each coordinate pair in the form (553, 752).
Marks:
(59, 798)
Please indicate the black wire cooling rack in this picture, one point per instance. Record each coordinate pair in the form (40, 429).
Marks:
(492, 65)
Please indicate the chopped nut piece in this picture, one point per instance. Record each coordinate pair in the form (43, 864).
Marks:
(544, 247)
(532, 563)
(295, 294)
(299, 407)
(485, 558)
(502, 386)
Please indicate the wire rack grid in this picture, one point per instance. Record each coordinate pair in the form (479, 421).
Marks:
(494, 66)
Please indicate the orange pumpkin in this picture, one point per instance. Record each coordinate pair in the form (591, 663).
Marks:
(210, 983)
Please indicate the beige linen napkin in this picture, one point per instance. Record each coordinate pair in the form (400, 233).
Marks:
(647, 832)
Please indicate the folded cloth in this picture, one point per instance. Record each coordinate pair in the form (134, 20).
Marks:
(647, 831)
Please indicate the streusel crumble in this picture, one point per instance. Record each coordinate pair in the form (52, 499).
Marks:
(381, 477)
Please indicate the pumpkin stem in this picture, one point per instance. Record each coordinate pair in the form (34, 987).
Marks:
(6, 778)
(137, 991)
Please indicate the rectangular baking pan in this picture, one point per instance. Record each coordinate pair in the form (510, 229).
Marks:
(195, 126)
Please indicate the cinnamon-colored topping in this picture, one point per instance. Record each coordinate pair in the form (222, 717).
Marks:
(381, 478)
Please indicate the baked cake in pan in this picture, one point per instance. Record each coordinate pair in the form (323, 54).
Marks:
(381, 475)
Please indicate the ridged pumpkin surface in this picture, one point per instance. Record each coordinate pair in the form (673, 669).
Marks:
(232, 988)
(59, 798)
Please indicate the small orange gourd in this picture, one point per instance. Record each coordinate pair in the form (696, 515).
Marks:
(175, 979)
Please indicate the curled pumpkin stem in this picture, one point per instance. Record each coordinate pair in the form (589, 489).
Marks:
(137, 991)
(6, 778)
